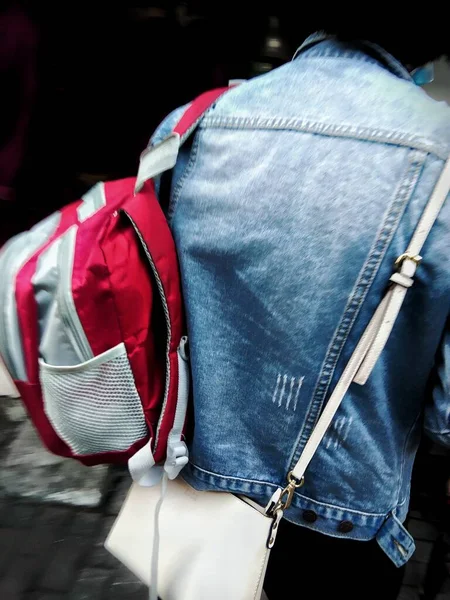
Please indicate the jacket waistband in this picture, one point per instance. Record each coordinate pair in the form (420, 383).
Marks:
(330, 520)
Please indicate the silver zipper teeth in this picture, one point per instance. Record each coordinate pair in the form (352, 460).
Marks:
(167, 317)
(68, 310)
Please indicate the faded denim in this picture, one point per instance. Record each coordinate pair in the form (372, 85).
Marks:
(299, 191)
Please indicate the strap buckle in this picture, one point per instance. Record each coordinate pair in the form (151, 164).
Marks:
(282, 498)
(274, 529)
(177, 458)
(416, 258)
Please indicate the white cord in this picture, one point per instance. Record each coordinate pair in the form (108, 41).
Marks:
(153, 592)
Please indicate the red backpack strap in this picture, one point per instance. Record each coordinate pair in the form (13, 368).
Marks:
(195, 111)
(163, 156)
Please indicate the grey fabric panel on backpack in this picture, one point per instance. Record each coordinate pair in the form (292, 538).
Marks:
(62, 341)
(13, 256)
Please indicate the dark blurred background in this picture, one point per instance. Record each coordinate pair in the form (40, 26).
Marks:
(84, 86)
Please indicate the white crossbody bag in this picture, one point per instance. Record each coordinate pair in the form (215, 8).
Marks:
(190, 545)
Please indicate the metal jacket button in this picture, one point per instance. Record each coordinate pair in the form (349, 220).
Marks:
(345, 527)
(309, 516)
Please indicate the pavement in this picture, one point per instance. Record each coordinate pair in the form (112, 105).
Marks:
(55, 516)
(53, 551)
(425, 534)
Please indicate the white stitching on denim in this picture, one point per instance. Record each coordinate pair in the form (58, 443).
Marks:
(288, 401)
(299, 387)
(279, 394)
(367, 134)
(331, 437)
(338, 432)
(283, 387)
(275, 392)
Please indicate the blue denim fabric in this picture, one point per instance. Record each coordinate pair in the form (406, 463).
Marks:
(299, 191)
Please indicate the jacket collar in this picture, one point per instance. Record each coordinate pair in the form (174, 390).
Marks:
(322, 44)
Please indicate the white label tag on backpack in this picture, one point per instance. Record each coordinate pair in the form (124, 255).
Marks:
(157, 159)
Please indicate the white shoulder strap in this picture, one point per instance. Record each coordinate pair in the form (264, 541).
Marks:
(377, 332)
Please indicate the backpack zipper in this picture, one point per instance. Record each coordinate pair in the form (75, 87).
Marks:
(166, 315)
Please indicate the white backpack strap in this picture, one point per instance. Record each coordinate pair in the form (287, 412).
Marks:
(376, 334)
(141, 465)
(177, 451)
(157, 159)
(162, 157)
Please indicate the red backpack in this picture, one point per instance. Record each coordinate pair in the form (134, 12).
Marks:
(91, 319)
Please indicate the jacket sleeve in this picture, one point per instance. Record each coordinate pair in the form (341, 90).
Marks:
(167, 125)
(437, 411)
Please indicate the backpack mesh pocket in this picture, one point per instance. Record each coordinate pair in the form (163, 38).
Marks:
(94, 407)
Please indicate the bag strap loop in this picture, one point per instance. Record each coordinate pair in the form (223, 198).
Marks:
(162, 157)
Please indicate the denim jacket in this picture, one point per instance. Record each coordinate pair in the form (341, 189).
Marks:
(300, 189)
